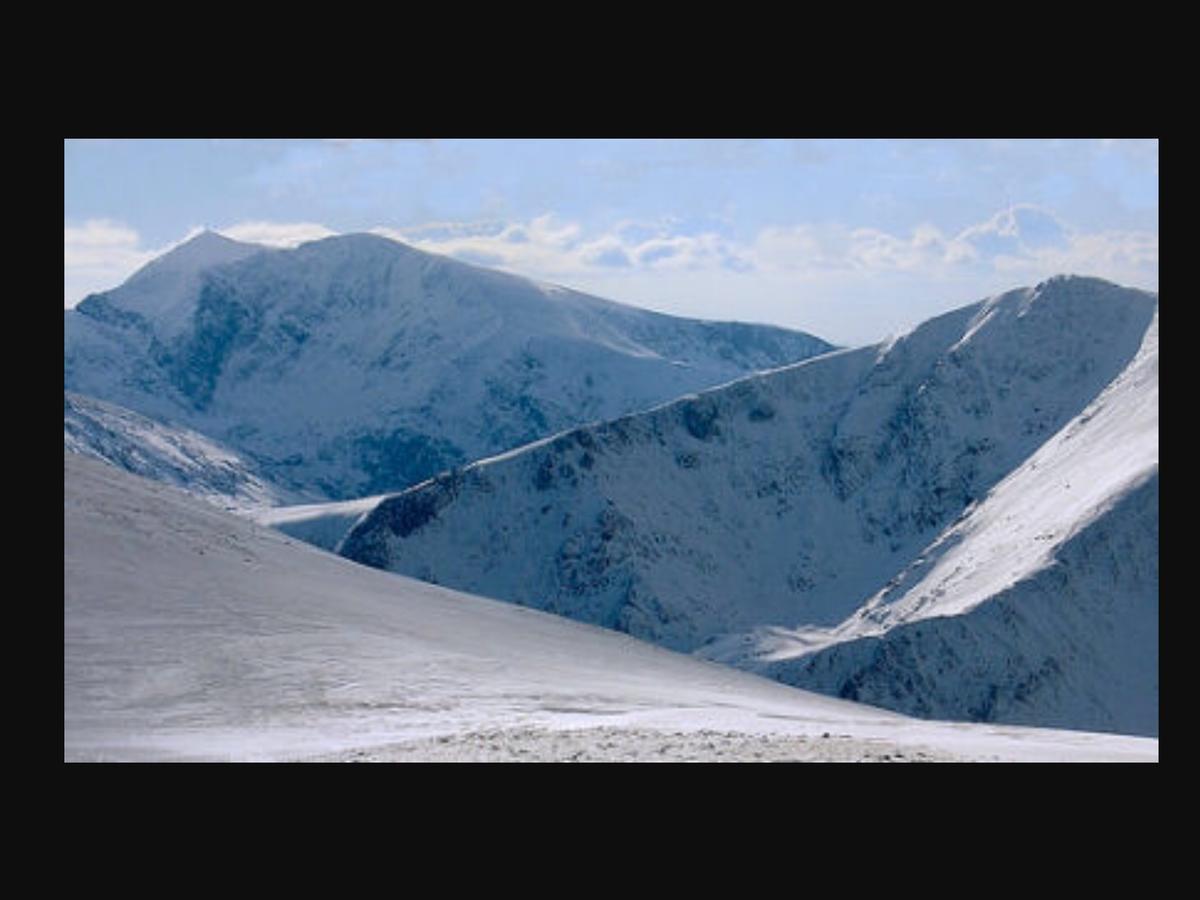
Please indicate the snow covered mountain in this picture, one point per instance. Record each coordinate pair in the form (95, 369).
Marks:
(190, 633)
(164, 292)
(790, 499)
(1040, 604)
(355, 365)
(177, 456)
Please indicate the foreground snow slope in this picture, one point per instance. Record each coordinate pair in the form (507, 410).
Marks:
(190, 633)
(355, 365)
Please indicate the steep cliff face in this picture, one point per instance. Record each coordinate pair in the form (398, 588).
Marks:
(1071, 644)
(355, 365)
(1039, 605)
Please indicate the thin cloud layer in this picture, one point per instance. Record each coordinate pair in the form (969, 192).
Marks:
(795, 275)
(99, 254)
(1020, 238)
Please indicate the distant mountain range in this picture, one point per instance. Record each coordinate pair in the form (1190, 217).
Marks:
(960, 522)
(356, 365)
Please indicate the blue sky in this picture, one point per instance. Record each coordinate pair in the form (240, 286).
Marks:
(849, 239)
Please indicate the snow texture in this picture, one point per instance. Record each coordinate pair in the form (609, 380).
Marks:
(176, 456)
(1041, 604)
(193, 634)
(356, 365)
(748, 521)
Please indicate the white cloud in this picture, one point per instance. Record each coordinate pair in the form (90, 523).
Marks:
(804, 275)
(608, 252)
(1128, 257)
(99, 242)
(835, 247)
(1020, 229)
(849, 284)
(1031, 243)
(794, 247)
(1023, 241)
(542, 247)
(99, 255)
(547, 247)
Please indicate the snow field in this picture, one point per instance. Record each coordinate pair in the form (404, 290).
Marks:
(190, 633)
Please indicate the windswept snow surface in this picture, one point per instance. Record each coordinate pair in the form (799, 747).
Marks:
(356, 365)
(748, 521)
(190, 633)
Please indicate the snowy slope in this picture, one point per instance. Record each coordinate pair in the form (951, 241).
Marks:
(165, 290)
(1040, 605)
(115, 342)
(193, 634)
(354, 365)
(786, 497)
(175, 456)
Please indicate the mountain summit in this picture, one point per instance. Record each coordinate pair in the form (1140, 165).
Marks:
(355, 364)
(162, 293)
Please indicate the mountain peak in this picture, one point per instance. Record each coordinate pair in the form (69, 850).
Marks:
(208, 247)
(162, 292)
(1079, 299)
(208, 236)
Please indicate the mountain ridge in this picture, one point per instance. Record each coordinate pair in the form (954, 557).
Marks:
(1068, 539)
(787, 496)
